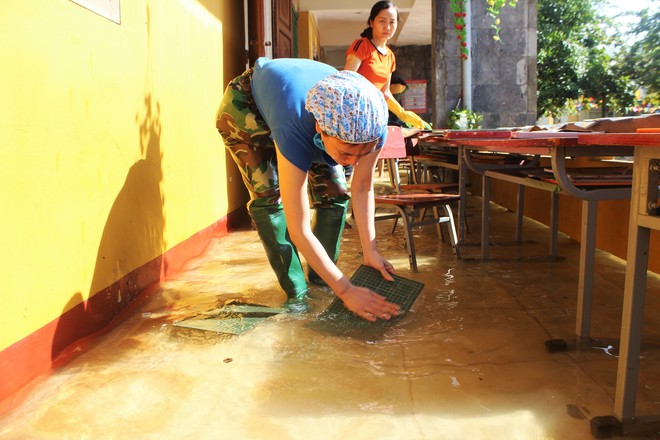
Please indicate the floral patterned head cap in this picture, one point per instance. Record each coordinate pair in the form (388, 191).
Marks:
(347, 106)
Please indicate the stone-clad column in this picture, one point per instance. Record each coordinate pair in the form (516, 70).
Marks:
(503, 73)
(439, 78)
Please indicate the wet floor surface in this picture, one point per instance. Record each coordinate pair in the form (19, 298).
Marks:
(467, 362)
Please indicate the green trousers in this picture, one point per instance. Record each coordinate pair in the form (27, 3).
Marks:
(328, 226)
(281, 252)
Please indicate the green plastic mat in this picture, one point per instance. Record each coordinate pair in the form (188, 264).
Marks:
(337, 319)
(246, 309)
(234, 326)
(233, 318)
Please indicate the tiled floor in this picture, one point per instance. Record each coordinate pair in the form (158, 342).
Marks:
(468, 361)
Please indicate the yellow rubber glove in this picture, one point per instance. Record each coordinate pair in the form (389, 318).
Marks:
(407, 116)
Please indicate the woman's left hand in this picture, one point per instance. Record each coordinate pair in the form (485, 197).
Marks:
(379, 263)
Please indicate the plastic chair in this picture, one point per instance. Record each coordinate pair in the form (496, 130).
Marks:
(413, 207)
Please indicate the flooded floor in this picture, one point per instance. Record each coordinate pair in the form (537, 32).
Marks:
(467, 362)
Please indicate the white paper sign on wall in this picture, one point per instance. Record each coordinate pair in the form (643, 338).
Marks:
(105, 8)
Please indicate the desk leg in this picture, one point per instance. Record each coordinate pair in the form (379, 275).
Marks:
(520, 212)
(485, 216)
(587, 265)
(624, 421)
(632, 318)
(631, 323)
(554, 222)
(462, 191)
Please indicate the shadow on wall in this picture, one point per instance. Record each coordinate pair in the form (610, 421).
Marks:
(132, 235)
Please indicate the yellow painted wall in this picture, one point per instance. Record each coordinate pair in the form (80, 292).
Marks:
(108, 147)
(309, 45)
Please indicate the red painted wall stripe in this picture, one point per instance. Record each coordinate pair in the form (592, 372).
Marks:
(52, 345)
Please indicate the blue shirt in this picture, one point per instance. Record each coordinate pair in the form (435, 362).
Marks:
(279, 87)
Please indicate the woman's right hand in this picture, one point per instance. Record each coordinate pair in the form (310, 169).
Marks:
(368, 304)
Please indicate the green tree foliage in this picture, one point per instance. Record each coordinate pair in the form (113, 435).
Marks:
(560, 34)
(574, 59)
(642, 60)
(604, 81)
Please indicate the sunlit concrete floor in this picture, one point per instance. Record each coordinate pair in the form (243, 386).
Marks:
(467, 362)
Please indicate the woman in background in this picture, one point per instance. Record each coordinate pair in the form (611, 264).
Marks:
(370, 56)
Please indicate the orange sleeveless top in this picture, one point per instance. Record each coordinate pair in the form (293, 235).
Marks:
(375, 66)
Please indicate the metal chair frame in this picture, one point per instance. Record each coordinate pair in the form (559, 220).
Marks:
(412, 207)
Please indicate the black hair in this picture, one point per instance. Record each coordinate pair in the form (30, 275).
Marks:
(396, 79)
(375, 10)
